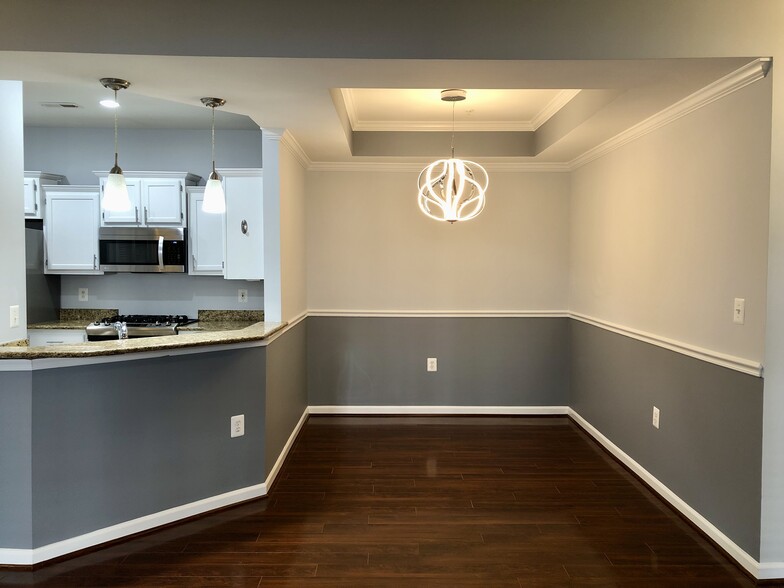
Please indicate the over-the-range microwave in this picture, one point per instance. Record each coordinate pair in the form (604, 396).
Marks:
(142, 249)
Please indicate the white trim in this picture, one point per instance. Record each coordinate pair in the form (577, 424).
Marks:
(443, 313)
(285, 451)
(560, 100)
(740, 78)
(26, 557)
(289, 325)
(744, 559)
(120, 530)
(770, 571)
(293, 146)
(551, 109)
(739, 364)
(456, 410)
(416, 167)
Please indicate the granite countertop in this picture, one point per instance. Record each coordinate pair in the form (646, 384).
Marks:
(220, 335)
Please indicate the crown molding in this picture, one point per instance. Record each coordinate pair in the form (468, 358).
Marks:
(381, 166)
(291, 143)
(732, 82)
(561, 99)
(550, 109)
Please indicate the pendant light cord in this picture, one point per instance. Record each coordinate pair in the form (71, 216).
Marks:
(453, 130)
(213, 138)
(115, 130)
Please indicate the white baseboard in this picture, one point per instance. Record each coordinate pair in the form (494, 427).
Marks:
(27, 557)
(444, 410)
(744, 559)
(286, 448)
(120, 530)
(771, 571)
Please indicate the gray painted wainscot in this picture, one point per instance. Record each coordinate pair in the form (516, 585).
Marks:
(103, 447)
(98, 446)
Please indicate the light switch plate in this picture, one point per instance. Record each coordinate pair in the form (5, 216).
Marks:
(14, 315)
(655, 420)
(739, 311)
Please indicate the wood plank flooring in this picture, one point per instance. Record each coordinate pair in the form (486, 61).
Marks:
(421, 501)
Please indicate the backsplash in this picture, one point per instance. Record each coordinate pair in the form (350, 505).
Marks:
(160, 294)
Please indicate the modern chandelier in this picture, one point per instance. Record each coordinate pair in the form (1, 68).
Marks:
(452, 189)
(115, 192)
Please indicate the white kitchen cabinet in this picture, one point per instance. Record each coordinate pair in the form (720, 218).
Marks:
(244, 224)
(71, 219)
(34, 186)
(157, 199)
(206, 236)
(40, 337)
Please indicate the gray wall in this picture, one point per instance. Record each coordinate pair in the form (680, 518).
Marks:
(481, 361)
(286, 391)
(16, 492)
(77, 152)
(112, 442)
(160, 294)
(708, 449)
(43, 290)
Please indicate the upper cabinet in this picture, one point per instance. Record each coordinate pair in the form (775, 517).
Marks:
(244, 223)
(157, 199)
(34, 182)
(206, 239)
(71, 230)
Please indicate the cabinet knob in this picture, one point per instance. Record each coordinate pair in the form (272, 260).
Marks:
(244, 227)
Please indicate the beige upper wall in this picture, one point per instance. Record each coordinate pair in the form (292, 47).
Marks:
(669, 229)
(370, 247)
(292, 235)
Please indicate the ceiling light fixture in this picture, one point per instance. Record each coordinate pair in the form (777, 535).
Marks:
(214, 198)
(115, 193)
(452, 189)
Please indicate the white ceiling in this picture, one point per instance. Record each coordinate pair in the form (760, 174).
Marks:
(136, 110)
(296, 94)
(392, 109)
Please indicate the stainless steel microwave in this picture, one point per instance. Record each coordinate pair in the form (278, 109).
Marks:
(142, 249)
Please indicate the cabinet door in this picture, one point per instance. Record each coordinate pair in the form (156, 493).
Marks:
(71, 232)
(205, 236)
(31, 198)
(163, 202)
(244, 228)
(131, 216)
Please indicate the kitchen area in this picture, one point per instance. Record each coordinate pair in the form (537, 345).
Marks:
(149, 388)
(89, 266)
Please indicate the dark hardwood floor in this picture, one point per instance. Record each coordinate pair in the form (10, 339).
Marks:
(434, 502)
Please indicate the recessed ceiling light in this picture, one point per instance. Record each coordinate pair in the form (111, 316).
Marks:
(109, 103)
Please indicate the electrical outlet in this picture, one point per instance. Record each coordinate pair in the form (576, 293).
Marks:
(739, 311)
(82, 294)
(14, 315)
(655, 421)
(432, 364)
(238, 425)
(242, 295)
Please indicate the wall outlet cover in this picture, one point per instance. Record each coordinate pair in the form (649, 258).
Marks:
(655, 420)
(432, 364)
(242, 295)
(238, 425)
(14, 316)
(83, 295)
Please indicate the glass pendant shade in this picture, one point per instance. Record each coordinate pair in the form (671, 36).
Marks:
(115, 192)
(452, 190)
(214, 198)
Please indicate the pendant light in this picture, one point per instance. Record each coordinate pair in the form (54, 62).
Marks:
(452, 189)
(214, 198)
(115, 192)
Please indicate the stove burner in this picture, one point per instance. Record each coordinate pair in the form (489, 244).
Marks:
(137, 325)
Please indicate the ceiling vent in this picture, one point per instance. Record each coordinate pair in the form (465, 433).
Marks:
(59, 105)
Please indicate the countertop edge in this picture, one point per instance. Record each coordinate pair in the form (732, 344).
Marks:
(256, 332)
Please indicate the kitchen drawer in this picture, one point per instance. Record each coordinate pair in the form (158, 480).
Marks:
(40, 337)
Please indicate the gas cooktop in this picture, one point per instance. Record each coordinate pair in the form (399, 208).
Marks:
(136, 325)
